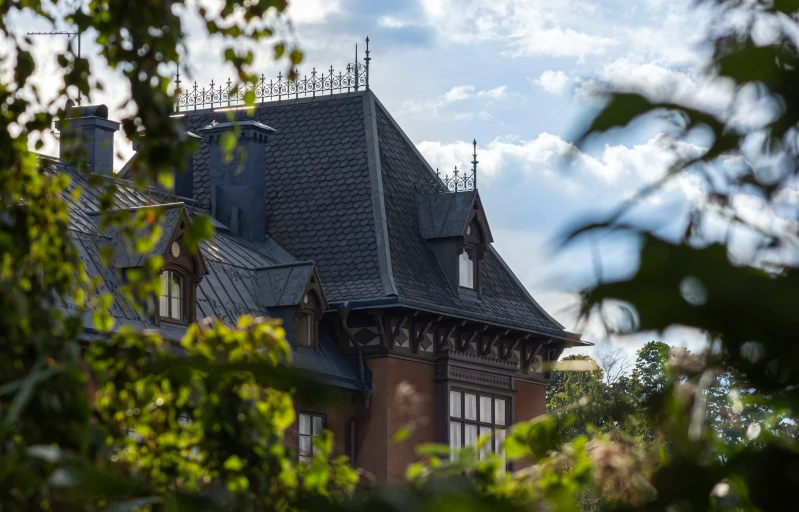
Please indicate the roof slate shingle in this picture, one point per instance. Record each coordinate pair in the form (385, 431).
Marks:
(319, 206)
(318, 203)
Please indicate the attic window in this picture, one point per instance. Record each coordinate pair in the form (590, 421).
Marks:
(303, 330)
(305, 322)
(172, 296)
(466, 268)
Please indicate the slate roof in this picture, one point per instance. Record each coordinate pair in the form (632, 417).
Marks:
(318, 203)
(236, 282)
(444, 215)
(340, 192)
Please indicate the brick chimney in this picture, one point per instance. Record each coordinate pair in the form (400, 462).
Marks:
(87, 138)
(238, 185)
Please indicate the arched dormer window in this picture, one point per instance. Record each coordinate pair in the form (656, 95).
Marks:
(179, 280)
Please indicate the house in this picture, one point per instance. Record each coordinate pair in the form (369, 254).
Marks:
(383, 273)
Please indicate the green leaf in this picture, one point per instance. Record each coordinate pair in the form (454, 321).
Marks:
(233, 463)
(401, 434)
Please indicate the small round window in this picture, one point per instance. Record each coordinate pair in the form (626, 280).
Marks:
(175, 249)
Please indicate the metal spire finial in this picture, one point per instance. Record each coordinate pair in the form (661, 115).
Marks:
(366, 60)
(474, 163)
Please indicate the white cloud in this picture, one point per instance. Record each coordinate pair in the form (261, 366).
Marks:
(312, 12)
(552, 81)
(391, 22)
(456, 94)
(548, 153)
(529, 27)
(658, 83)
(496, 92)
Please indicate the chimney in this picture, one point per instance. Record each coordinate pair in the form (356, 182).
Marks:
(183, 177)
(238, 185)
(87, 138)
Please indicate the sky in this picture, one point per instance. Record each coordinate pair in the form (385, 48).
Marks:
(521, 77)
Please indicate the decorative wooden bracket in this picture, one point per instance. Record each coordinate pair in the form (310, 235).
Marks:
(512, 346)
(527, 360)
(398, 328)
(442, 340)
(488, 346)
(471, 338)
(417, 340)
(381, 329)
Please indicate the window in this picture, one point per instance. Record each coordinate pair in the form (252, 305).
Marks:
(303, 330)
(311, 426)
(466, 269)
(171, 303)
(472, 415)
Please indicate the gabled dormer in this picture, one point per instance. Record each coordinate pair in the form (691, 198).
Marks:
(182, 270)
(455, 226)
(293, 293)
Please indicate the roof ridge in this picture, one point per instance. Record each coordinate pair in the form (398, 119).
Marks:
(376, 193)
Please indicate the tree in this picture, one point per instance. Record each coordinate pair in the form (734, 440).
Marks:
(706, 278)
(650, 373)
(614, 365)
(121, 422)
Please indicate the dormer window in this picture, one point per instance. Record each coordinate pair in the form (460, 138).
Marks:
(306, 320)
(171, 300)
(304, 330)
(466, 268)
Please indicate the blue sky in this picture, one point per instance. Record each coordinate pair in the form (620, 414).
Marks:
(520, 76)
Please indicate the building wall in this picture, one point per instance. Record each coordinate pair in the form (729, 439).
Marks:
(337, 416)
(402, 394)
(530, 401)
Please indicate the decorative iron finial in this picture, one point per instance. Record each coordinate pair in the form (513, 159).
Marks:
(227, 93)
(366, 60)
(177, 86)
(355, 66)
(474, 163)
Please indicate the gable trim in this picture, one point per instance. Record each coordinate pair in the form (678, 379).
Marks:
(376, 192)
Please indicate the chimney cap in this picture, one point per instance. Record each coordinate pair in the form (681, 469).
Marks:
(73, 111)
(228, 125)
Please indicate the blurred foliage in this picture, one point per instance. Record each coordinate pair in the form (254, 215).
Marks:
(124, 420)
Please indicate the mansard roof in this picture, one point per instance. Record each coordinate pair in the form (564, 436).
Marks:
(232, 286)
(341, 192)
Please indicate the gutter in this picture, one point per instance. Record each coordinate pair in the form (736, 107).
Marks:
(380, 302)
(343, 311)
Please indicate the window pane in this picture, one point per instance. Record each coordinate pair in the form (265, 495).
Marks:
(488, 446)
(470, 407)
(499, 411)
(305, 424)
(485, 409)
(470, 435)
(455, 404)
(163, 305)
(176, 308)
(302, 332)
(466, 268)
(305, 445)
(317, 425)
(455, 441)
(499, 440)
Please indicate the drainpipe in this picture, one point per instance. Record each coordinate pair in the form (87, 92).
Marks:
(344, 312)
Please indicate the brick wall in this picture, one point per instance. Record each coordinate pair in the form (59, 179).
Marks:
(530, 401)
